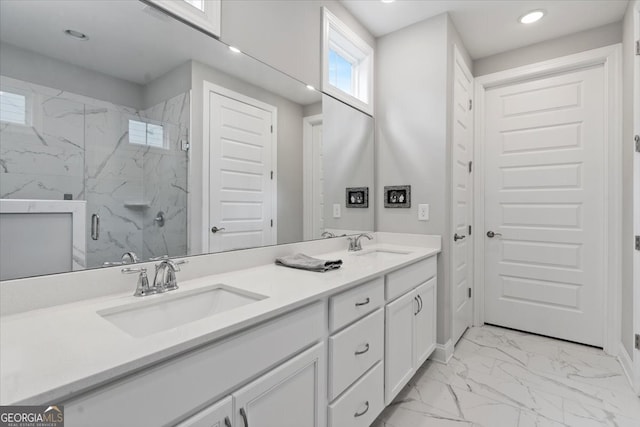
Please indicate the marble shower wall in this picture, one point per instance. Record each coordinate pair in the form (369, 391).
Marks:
(78, 145)
(165, 181)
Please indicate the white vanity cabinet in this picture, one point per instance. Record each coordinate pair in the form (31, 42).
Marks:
(219, 414)
(287, 396)
(410, 334)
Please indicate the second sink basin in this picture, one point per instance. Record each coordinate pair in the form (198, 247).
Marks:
(167, 311)
(382, 253)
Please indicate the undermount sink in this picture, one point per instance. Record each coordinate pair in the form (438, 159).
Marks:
(382, 253)
(167, 311)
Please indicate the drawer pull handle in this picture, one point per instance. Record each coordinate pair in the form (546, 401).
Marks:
(420, 301)
(365, 302)
(359, 414)
(243, 414)
(415, 313)
(227, 422)
(366, 348)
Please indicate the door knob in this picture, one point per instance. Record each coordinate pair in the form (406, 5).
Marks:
(491, 234)
(457, 237)
(215, 229)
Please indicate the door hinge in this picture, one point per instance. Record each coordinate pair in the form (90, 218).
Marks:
(469, 230)
(637, 344)
(271, 223)
(184, 145)
(470, 166)
(469, 292)
(271, 174)
(637, 140)
(637, 47)
(637, 243)
(470, 104)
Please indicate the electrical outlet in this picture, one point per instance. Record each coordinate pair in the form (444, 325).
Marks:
(423, 212)
(336, 211)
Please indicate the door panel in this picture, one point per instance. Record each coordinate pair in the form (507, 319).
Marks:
(399, 347)
(239, 175)
(462, 155)
(288, 396)
(544, 199)
(425, 329)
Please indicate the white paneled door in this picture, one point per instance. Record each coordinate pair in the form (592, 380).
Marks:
(240, 175)
(544, 206)
(461, 200)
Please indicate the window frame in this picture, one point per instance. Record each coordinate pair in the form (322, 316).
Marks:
(28, 106)
(208, 20)
(338, 37)
(165, 135)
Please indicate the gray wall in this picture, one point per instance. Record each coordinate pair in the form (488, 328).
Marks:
(347, 158)
(573, 43)
(285, 34)
(627, 181)
(289, 151)
(413, 93)
(43, 70)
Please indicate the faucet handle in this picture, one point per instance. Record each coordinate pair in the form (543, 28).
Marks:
(158, 258)
(143, 288)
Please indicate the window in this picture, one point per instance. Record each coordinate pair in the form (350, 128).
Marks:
(142, 133)
(198, 4)
(13, 108)
(347, 64)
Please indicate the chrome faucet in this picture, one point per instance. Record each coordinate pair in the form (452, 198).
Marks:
(165, 277)
(142, 289)
(127, 258)
(354, 242)
(327, 235)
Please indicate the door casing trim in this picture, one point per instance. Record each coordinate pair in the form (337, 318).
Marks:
(610, 57)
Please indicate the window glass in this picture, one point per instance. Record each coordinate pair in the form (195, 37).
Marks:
(13, 108)
(142, 133)
(341, 73)
(198, 4)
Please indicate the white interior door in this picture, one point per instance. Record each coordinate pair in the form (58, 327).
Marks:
(461, 249)
(313, 177)
(544, 200)
(241, 185)
(636, 202)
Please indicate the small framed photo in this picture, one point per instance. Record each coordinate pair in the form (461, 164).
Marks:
(357, 197)
(397, 196)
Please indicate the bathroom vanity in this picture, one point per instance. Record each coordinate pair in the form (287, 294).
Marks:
(258, 346)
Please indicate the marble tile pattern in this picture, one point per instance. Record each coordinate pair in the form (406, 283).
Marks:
(79, 145)
(503, 378)
(165, 181)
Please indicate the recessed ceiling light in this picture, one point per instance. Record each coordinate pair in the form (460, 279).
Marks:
(531, 17)
(76, 35)
(311, 87)
(234, 49)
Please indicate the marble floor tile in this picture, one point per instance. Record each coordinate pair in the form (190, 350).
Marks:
(504, 378)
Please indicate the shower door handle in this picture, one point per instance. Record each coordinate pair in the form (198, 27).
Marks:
(95, 226)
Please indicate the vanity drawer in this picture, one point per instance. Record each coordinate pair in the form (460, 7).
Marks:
(401, 281)
(351, 305)
(362, 403)
(354, 350)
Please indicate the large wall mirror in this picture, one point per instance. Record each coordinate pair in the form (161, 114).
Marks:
(123, 130)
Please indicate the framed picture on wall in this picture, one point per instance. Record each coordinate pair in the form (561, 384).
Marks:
(397, 196)
(357, 197)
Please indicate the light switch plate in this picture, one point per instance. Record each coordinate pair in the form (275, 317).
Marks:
(336, 210)
(423, 212)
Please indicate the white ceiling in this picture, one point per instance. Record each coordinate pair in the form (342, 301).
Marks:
(488, 27)
(130, 41)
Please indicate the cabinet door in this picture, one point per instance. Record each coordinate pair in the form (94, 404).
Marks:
(217, 415)
(399, 350)
(288, 396)
(425, 328)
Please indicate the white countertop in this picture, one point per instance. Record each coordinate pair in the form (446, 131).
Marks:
(50, 354)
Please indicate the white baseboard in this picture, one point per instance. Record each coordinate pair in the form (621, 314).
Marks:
(627, 364)
(443, 352)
